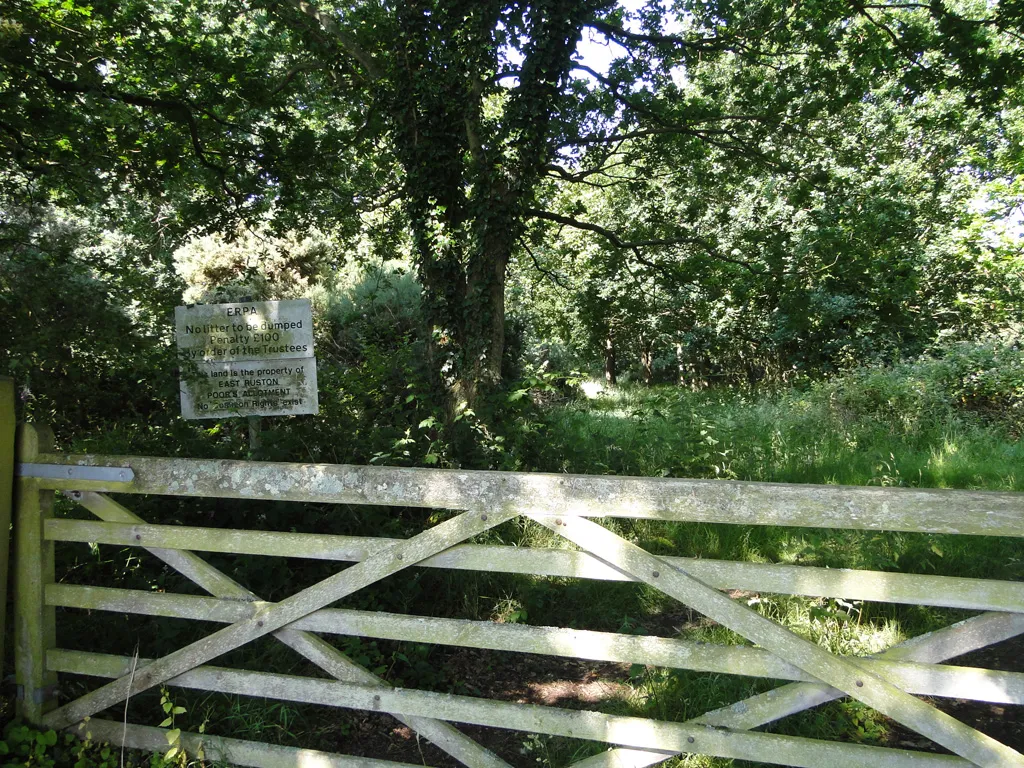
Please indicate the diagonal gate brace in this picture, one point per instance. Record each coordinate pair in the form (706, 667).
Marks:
(841, 674)
(323, 654)
(380, 565)
(934, 647)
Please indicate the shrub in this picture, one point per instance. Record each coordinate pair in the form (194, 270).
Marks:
(258, 265)
(967, 380)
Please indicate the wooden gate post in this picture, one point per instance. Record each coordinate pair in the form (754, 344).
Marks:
(35, 623)
(6, 496)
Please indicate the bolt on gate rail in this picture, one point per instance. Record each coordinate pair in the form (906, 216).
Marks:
(570, 506)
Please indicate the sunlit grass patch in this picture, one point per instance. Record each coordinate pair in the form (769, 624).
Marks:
(801, 437)
(870, 431)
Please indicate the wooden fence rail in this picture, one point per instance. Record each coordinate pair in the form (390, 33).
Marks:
(570, 507)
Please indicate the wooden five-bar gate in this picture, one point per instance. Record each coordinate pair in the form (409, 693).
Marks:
(569, 505)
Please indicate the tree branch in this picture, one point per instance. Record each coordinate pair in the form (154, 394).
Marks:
(898, 6)
(347, 41)
(554, 171)
(723, 138)
(22, 150)
(291, 73)
(619, 34)
(606, 233)
(550, 275)
(635, 245)
(623, 98)
(472, 121)
(177, 111)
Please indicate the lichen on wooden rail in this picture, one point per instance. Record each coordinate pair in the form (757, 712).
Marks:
(302, 603)
(850, 584)
(841, 673)
(531, 718)
(330, 659)
(219, 749)
(747, 503)
(923, 679)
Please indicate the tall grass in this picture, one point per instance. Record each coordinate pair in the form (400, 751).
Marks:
(949, 421)
(818, 436)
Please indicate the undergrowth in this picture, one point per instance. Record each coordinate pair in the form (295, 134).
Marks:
(951, 420)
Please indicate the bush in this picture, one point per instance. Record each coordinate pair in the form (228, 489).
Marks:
(77, 351)
(258, 265)
(374, 309)
(966, 380)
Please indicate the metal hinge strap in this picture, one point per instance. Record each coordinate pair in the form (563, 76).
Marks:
(75, 472)
(39, 695)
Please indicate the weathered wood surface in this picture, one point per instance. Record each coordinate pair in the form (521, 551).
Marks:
(593, 726)
(6, 496)
(442, 734)
(745, 503)
(843, 674)
(218, 749)
(963, 637)
(188, 564)
(281, 614)
(923, 679)
(879, 586)
(623, 757)
(514, 493)
(330, 659)
(929, 649)
(34, 622)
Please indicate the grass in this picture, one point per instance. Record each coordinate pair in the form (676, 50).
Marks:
(863, 430)
(823, 435)
(791, 437)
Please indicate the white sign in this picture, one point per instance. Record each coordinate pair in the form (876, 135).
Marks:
(253, 358)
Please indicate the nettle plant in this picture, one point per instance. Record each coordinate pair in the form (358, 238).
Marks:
(26, 747)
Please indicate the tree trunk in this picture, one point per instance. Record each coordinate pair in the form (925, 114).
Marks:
(647, 359)
(610, 377)
(482, 335)
(468, 183)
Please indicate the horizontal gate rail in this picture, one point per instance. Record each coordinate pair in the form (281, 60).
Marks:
(313, 648)
(576, 724)
(850, 584)
(279, 615)
(843, 674)
(989, 513)
(924, 679)
(219, 749)
(955, 640)
(479, 501)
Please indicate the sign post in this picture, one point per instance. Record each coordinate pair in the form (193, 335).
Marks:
(252, 358)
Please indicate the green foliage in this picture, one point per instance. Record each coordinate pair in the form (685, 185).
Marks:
(258, 265)
(378, 307)
(842, 430)
(77, 320)
(763, 276)
(377, 401)
(947, 419)
(26, 747)
(23, 745)
(173, 735)
(747, 193)
(766, 176)
(956, 380)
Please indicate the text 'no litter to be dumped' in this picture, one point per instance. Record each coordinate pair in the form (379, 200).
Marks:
(251, 358)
